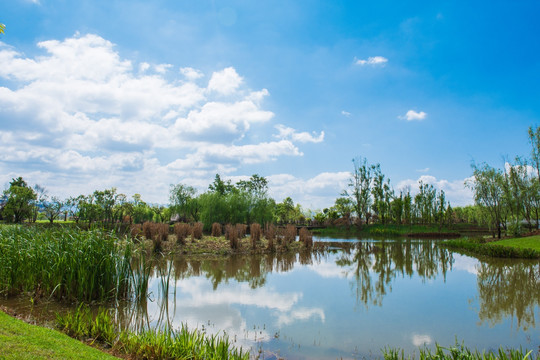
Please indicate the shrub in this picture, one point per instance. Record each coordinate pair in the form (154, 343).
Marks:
(255, 233)
(182, 231)
(136, 231)
(197, 230)
(216, 229)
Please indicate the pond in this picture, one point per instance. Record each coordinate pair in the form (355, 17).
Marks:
(352, 301)
(349, 302)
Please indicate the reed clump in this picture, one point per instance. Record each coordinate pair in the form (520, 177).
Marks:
(289, 235)
(216, 229)
(136, 231)
(231, 234)
(270, 235)
(255, 234)
(182, 231)
(197, 231)
(147, 230)
(160, 234)
(148, 343)
(64, 263)
(241, 230)
(305, 237)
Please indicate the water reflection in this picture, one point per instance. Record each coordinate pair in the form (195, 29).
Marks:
(509, 289)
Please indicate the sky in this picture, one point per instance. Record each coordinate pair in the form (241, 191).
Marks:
(139, 95)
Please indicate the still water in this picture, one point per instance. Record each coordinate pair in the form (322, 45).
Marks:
(348, 302)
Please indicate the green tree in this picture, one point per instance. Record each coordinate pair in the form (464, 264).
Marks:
(2, 28)
(52, 208)
(360, 187)
(182, 201)
(19, 203)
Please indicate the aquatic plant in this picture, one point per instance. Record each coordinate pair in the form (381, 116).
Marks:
(216, 229)
(148, 343)
(197, 230)
(306, 237)
(231, 234)
(270, 235)
(255, 234)
(289, 235)
(69, 264)
(182, 231)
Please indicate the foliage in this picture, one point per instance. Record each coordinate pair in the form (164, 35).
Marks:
(63, 263)
(148, 343)
(19, 198)
(492, 249)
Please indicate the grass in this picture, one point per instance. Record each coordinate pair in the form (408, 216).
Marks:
(19, 340)
(524, 248)
(148, 343)
(63, 263)
(459, 352)
(531, 242)
(384, 230)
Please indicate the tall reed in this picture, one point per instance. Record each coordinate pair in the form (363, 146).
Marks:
(255, 234)
(147, 230)
(241, 230)
(197, 230)
(182, 231)
(305, 237)
(216, 229)
(289, 235)
(69, 264)
(270, 235)
(231, 234)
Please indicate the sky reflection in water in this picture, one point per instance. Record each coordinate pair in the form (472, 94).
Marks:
(354, 301)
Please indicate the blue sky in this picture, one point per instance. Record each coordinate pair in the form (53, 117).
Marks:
(140, 95)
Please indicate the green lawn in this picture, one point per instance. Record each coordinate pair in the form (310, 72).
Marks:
(19, 340)
(531, 242)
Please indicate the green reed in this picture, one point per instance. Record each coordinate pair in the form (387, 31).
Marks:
(148, 343)
(66, 264)
(459, 352)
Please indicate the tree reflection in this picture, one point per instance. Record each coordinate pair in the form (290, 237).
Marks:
(374, 266)
(509, 289)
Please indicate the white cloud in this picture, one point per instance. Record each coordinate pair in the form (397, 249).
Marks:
(225, 81)
(412, 115)
(424, 170)
(83, 118)
(303, 137)
(191, 74)
(345, 113)
(420, 340)
(373, 61)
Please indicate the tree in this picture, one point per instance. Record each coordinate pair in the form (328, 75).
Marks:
(360, 185)
(53, 208)
(488, 193)
(2, 28)
(534, 139)
(182, 201)
(19, 201)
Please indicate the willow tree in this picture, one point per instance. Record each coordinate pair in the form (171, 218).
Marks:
(360, 187)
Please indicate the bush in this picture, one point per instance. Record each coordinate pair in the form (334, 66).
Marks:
(241, 230)
(136, 231)
(289, 235)
(147, 230)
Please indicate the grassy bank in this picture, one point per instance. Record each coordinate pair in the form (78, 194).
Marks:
(524, 248)
(19, 340)
(385, 230)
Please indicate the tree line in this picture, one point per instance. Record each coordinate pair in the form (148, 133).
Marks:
(505, 200)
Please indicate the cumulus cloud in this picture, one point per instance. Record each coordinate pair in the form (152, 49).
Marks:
(80, 113)
(373, 61)
(412, 115)
(303, 137)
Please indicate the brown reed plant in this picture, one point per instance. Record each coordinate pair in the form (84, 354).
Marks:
(197, 231)
(182, 231)
(241, 230)
(160, 234)
(147, 230)
(289, 235)
(270, 235)
(306, 237)
(136, 231)
(231, 234)
(255, 234)
(216, 229)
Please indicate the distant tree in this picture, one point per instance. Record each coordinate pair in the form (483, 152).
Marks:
(344, 207)
(360, 187)
(2, 28)
(39, 203)
(182, 201)
(19, 201)
(52, 208)
(534, 139)
(221, 187)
